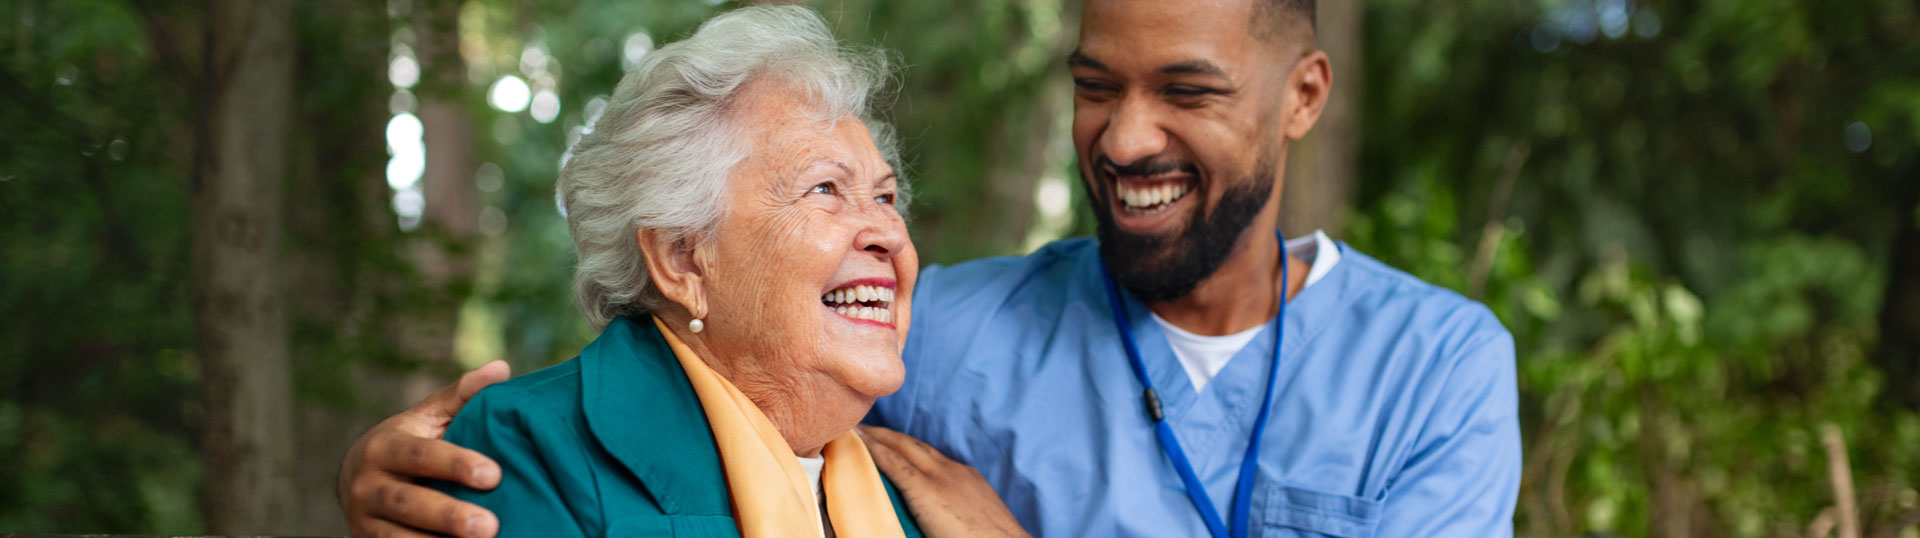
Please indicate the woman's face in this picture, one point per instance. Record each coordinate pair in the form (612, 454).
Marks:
(810, 277)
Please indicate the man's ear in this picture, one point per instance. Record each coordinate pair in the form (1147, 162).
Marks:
(1310, 84)
(676, 270)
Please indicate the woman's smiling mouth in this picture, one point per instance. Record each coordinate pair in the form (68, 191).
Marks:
(866, 300)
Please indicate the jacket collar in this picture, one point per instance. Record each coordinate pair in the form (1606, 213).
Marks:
(640, 406)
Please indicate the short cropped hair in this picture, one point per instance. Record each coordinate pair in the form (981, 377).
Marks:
(1284, 19)
(661, 154)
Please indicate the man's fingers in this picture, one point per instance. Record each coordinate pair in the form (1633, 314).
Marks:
(420, 457)
(922, 455)
(443, 404)
(420, 507)
(479, 378)
(892, 464)
(883, 435)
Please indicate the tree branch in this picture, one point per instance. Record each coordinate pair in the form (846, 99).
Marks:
(1840, 472)
(1496, 212)
(164, 43)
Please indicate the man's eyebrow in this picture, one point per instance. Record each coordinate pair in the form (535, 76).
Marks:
(1081, 60)
(1194, 67)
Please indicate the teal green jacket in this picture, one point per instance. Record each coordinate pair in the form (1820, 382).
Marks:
(611, 443)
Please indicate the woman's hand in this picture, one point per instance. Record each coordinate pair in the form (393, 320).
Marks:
(946, 497)
(376, 488)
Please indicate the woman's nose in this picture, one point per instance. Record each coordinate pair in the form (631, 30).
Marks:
(884, 233)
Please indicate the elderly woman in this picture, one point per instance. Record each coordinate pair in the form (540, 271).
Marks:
(742, 249)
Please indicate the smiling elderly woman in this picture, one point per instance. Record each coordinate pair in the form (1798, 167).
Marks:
(742, 248)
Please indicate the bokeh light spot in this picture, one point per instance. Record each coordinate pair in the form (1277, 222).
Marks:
(489, 178)
(401, 102)
(404, 130)
(493, 221)
(1646, 23)
(409, 151)
(533, 60)
(1614, 18)
(403, 71)
(1053, 196)
(409, 204)
(638, 44)
(546, 106)
(1858, 137)
(510, 94)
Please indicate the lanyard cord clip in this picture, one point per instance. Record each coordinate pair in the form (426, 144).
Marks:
(1153, 405)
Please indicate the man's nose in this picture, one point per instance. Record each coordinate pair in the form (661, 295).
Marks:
(1133, 133)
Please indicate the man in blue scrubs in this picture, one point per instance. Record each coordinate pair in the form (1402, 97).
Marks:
(1393, 410)
(1389, 405)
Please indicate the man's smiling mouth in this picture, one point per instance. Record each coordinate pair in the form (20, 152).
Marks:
(1148, 197)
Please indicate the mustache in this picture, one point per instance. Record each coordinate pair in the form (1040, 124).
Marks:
(1145, 167)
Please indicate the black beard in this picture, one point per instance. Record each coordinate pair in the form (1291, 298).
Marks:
(1159, 269)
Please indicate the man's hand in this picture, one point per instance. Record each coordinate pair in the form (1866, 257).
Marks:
(946, 497)
(376, 487)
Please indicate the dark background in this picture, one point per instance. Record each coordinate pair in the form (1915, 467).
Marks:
(234, 233)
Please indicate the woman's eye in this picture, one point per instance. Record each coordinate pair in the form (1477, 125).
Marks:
(884, 199)
(823, 188)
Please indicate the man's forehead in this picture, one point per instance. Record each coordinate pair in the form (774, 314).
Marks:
(1155, 35)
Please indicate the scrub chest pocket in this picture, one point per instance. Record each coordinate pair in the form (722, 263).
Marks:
(1293, 511)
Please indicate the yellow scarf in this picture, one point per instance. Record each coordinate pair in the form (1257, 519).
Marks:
(756, 457)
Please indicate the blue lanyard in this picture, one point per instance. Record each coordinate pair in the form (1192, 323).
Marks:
(1249, 464)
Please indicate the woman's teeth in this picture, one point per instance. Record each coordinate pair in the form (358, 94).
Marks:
(1145, 199)
(866, 312)
(872, 303)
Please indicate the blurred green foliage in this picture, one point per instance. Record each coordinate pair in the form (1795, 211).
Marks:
(97, 383)
(1696, 249)
(1687, 212)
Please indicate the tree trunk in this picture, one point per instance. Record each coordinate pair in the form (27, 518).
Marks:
(443, 254)
(453, 202)
(239, 307)
(1321, 167)
(1898, 353)
(340, 236)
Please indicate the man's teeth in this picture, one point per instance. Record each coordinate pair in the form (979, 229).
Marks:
(1141, 197)
(847, 302)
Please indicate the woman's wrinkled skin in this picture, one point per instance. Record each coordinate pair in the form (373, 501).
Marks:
(810, 209)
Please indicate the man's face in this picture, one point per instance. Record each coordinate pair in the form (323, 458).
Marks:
(1177, 121)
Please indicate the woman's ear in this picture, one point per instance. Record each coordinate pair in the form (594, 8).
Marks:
(676, 269)
(1310, 84)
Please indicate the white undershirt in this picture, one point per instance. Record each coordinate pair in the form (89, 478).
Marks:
(1203, 356)
(813, 466)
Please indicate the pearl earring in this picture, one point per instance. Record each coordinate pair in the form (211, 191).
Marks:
(696, 325)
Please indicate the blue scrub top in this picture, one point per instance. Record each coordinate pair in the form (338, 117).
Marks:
(1395, 412)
